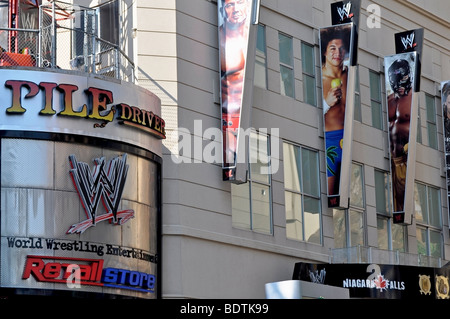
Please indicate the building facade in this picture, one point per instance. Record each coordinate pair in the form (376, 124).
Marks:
(219, 239)
(222, 240)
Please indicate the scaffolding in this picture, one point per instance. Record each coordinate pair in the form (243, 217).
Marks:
(63, 36)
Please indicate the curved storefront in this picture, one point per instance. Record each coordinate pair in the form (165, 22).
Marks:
(80, 185)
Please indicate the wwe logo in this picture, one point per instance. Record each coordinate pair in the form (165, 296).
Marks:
(408, 42)
(316, 277)
(105, 182)
(344, 12)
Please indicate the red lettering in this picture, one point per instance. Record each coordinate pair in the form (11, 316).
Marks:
(48, 93)
(52, 270)
(34, 265)
(67, 90)
(100, 98)
(90, 274)
(16, 87)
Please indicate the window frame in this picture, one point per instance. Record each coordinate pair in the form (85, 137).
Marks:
(284, 65)
(261, 56)
(303, 193)
(249, 185)
(305, 74)
(377, 100)
(425, 225)
(109, 15)
(387, 214)
(431, 122)
(357, 115)
(361, 210)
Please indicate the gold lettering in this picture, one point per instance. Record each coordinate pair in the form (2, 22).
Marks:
(67, 90)
(16, 87)
(100, 98)
(124, 111)
(136, 114)
(48, 93)
(157, 124)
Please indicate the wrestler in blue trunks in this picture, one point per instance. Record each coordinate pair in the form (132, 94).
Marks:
(334, 151)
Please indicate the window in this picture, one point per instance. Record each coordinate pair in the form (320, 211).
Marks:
(349, 224)
(419, 129)
(4, 7)
(431, 121)
(261, 59)
(252, 202)
(109, 22)
(82, 37)
(390, 236)
(427, 202)
(302, 194)
(309, 74)
(286, 65)
(357, 112)
(375, 100)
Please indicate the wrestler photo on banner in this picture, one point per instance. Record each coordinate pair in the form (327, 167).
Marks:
(234, 25)
(400, 72)
(445, 98)
(335, 46)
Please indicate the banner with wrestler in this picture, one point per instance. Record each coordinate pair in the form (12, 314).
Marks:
(400, 72)
(445, 98)
(403, 72)
(237, 42)
(336, 47)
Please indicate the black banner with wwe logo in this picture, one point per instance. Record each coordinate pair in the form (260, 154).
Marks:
(411, 41)
(402, 86)
(346, 12)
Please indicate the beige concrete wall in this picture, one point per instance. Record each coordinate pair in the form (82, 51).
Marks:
(203, 255)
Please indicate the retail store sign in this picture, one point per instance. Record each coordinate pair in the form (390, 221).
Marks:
(97, 105)
(77, 272)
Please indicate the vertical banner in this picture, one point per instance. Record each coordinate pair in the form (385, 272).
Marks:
(237, 43)
(402, 105)
(339, 48)
(402, 72)
(445, 98)
(336, 44)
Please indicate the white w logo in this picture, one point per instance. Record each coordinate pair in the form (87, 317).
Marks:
(345, 11)
(317, 278)
(106, 182)
(408, 41)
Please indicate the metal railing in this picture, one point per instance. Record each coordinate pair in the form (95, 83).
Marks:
(363, 255)
(66, 39)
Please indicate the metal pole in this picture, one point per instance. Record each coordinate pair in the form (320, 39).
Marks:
(53, 35)
(117, 63)
(39, 52)
(93, 33)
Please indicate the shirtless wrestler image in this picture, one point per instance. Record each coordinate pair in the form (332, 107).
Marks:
(399, 113)
(233, 51)
(335, 47)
